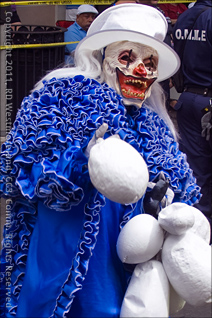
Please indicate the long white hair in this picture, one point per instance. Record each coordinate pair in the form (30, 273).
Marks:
(89, 64)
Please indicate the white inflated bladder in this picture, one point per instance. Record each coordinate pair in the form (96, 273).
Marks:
(148, 292)
(140, 239)
(187, 262)
(180, 239)
(179, 217)
(117, 170)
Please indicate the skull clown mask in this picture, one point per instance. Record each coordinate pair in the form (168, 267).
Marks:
(130, 68)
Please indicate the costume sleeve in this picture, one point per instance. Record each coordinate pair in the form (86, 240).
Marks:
(162, 155)
(43, 157)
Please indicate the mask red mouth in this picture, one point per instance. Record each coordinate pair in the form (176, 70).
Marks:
(133, 87)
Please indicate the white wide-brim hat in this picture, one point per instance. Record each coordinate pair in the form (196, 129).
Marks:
(135, 23)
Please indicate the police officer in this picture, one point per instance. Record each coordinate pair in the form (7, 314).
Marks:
(195, 101)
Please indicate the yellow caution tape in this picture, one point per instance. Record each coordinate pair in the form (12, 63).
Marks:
(76, 2)
(57, 2)
(30, 46)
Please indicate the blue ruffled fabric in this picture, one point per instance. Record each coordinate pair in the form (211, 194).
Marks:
(44, 159)
(20, 220)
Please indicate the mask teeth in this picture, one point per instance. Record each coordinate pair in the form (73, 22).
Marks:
(130, 93)
(134, 81)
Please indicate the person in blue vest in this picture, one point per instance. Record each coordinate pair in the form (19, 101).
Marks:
(77, 31)
(59, 255)
(195, 101)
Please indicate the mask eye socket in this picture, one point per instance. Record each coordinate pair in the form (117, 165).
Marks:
(126, 57)
(151, 63)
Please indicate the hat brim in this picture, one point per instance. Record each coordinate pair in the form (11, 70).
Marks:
(169, 61)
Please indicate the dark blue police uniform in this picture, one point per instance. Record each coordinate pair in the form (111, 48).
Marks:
(197, 70)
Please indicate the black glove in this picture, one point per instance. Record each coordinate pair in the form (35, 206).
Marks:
(152, 199)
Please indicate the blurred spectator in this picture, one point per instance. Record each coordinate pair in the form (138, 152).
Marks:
(77, 31)
(173, 10)
(196, 98)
